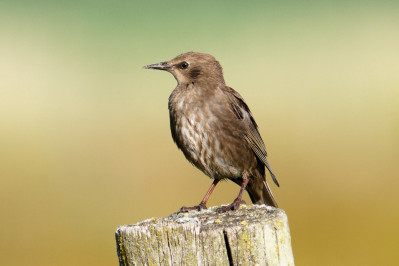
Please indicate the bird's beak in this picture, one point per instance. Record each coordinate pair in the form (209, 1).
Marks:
(160, 66)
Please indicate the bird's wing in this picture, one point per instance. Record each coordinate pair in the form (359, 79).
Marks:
(252, 136)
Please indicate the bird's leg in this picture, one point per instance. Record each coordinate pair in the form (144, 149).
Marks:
(202, 204)
(237, 202)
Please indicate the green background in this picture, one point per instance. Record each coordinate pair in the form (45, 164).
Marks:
(85, 144)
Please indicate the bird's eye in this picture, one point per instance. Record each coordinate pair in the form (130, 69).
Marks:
(183, 65)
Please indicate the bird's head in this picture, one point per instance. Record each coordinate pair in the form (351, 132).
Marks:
(192, 67)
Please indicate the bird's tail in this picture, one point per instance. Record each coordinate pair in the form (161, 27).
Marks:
(260, 193)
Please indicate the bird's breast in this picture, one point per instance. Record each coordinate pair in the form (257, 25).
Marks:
(190, 134)
(199, 134)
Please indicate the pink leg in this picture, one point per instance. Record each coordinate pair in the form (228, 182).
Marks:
(203, 202)
(237, 202)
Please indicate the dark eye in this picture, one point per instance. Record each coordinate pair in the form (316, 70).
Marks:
(183, 65)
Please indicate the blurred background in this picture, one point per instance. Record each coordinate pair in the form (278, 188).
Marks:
(85, 144)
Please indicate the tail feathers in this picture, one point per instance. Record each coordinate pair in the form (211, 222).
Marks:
(260, 193)
(268, 197)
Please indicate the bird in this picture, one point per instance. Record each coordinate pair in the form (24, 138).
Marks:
(214, 128)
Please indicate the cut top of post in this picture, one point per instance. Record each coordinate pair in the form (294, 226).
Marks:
(255, 234)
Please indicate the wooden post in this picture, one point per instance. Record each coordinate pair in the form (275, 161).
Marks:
(252, 235)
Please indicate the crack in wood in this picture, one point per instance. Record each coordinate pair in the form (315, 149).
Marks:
(228, 248)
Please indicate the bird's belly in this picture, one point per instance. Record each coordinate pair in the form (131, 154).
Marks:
(203, 148)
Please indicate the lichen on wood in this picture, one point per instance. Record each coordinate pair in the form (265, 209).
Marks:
(251, 235)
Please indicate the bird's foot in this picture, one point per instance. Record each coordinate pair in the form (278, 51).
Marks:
(198, 207)
(231, 207)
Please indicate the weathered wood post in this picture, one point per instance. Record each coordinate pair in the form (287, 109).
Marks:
(252, 235)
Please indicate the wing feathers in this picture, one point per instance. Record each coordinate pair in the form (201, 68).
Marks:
(252, 134)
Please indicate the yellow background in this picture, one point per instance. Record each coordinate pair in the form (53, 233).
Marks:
(85, 144)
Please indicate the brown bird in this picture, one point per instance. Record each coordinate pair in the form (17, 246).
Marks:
(213, 126)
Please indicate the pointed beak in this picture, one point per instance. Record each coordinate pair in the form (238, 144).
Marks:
(160, 66)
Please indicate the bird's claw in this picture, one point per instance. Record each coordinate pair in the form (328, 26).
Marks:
(198, 207)
(231, 207)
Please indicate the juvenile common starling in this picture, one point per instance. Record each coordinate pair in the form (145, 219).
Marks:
(214, 128)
